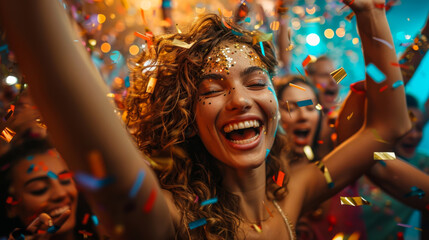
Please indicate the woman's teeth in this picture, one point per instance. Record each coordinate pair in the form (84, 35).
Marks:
(241, 125)
(245, 141)
(59, 211)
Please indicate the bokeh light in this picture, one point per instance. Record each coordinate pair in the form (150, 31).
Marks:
(134, 50)
(340, 32)
(11, 80)
(329, 33)
(313, 39)
(105, 47)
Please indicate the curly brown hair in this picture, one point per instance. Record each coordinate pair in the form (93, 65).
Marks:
(164, 120)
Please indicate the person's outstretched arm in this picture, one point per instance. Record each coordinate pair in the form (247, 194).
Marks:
(386, 116)
(71, 96)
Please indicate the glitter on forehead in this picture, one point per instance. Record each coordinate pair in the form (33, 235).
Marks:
(221, 58)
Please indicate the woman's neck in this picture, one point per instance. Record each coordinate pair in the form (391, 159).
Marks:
(250, 186)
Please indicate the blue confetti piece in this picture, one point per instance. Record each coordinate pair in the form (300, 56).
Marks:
(415, 191)
(331, 185)
(267, 153)
(402, 61)
(3, 48)
(236, 33)
(247, 19)
(375, 73)
(29, 158)
(304, 103)
(137, 184)
(397, 84)
(115, 56)
(383, 163)
(53, 229)
(30, 169)
(262, 48)
(209, 201)
(127, 81)
(197, 223)
(94, 220)
(52, 175)
(90, 182)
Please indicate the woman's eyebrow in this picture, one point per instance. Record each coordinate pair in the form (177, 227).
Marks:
(252, 69)
(41, 178)
(213, 76)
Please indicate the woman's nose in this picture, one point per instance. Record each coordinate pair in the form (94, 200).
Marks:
(239, 100)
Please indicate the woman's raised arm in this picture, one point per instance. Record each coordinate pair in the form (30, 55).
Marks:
(386, 116)
(122, 189)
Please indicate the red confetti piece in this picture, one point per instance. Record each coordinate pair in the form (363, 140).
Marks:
(306, 61)
(143, 18)
(85, 219)
(144, 37)
(400, 65)
(320, 142)
(383, 88)
(63, 176)
(85, 233)
(379, 5)
(280, 178)
(151, 200)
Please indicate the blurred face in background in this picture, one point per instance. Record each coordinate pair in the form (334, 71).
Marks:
(406, 146)
(323, 80)
(43, 184)
(300, 123)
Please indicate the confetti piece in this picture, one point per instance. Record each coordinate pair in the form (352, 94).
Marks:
(280, 178)
(308, 59)
(196, 200)
(326, 174)
(150, 201)
(85, 233)
(404, 225)
(92, 183)
(262, 48)
(384, 156)
(30, 169)
(266, 208)
(182, 44)
(94, 220)
(257, 228)
(267, 153)
(354, 201)
(296, 86)
(137, 184)
(397, 84)
(52, 175)
(375, 73)
(115, 56)
(350, 16)
(209, 201)
(7, 134)
(319, 107)
(96, 164)
(178, 29)
(304, 103)
(144, 37)
(415, 191)
(53, 229)
(383, 88)
(264, 37)
(400, 65)
(143, 18)
(151, 85)
(288, 108)
(338, 75)
(63, 176)
(350, 116)
(312, 20)
(197, 223)
(236, 33)
(308, 153)
(85, 218)
(383, 163)
(377, 136)
(384, 42)
(3, 48)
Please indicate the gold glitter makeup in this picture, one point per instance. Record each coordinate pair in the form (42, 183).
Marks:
(222, 59)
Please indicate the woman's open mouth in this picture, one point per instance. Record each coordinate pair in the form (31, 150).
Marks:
(243, 134)
(301, 136)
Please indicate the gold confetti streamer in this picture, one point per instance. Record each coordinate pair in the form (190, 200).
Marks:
(384, 156)
(326, 174)
(308, 152)
(350, 116)
(354, 201)
(151, 85)
(377, 136)
(339, 75)
(350, 16)
(7, 134)
(312, 20)
(257, 228)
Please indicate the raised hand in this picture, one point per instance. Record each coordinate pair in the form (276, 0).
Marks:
(41, 228)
